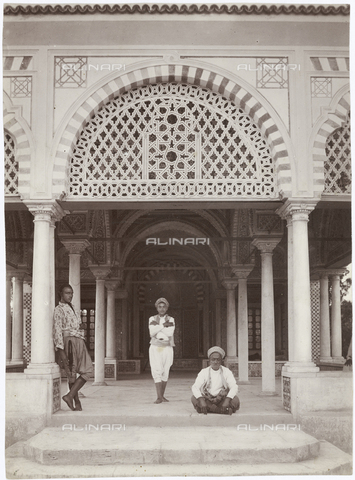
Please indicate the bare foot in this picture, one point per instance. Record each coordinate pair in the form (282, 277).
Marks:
(78, 407)
(165, 399)
(158, 400)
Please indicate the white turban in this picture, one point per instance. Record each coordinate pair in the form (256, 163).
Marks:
(216, 350)
(161, 300)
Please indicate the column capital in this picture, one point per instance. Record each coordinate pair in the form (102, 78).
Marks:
(329, 272)
(75, 245)
(298, 209)
(47, 210)
(100, 272)
(111, 285)
(230, 283)
(242, 271)
(337, 272)
(266, 245)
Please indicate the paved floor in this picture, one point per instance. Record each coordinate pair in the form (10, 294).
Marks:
(133, 398)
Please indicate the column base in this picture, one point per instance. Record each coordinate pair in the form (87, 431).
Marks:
(99, 384)
(42, 369)
(325, 359)
(20, 362)
(268, 394)
(337, 359)
(300, 367)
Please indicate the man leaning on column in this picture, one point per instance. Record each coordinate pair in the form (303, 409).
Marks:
(71, 351)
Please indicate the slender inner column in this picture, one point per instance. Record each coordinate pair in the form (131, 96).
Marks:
(74, 279)
(324, 319)
(8, 317)
(206, 332)
(136, 323)
(100, 273)
(17, 327)
(124, 329)
(243, 345)
(75, 248)
(231, 320)
(218, 321)
(336, 319)
(111, 322)
(100, 333)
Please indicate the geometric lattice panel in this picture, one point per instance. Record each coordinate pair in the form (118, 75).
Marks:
(70, 72)
(171, 141)
(56, 395)
(10, 166)
(337, 168)
(286, 390)
(321, 87)
(315, 315)
(272, 72)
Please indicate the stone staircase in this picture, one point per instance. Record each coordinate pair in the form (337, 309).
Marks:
(122, 433)
(203, 448)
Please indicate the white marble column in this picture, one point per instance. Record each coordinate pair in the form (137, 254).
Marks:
(8, 317)
(336, 340)
(100, 272)
(111, 320)
(266, 247)
(230, 285)
(206, 323)
(300, 280)
(17, 322)
(52, 299)
(135, 322)
(218, 322)
(122, 295)
(42, 355)
(324, 318)
(75, 247)
(242, 272)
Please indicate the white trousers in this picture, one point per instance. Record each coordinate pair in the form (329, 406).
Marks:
(160, 359)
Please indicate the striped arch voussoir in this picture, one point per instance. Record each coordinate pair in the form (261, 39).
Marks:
(172, 73)
(23, 149)
(335, 119)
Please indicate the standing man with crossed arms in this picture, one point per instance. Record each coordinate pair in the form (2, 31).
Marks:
(161, 353)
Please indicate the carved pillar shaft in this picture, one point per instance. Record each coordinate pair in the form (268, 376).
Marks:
(8, 317)
(336, 319)
(100, 273)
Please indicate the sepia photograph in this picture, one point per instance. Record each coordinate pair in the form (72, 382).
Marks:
(177, 276)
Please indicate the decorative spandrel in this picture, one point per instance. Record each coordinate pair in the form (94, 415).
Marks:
(171, 140)
(10, 166)
(337, 168)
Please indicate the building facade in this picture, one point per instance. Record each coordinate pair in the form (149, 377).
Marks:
(197, 153)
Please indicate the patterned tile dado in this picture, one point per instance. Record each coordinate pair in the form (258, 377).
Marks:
(286, 386)
(56, 395)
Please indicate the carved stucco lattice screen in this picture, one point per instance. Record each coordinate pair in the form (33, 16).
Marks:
(10, 165)
(337, 168)
(171, 141)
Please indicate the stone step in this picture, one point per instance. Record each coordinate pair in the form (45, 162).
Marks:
(159, 445)
(330, 461)
(170, 418)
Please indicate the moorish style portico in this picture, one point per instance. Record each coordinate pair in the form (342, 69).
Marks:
(246, 170)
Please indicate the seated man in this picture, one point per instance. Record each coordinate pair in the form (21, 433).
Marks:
(215, 389)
